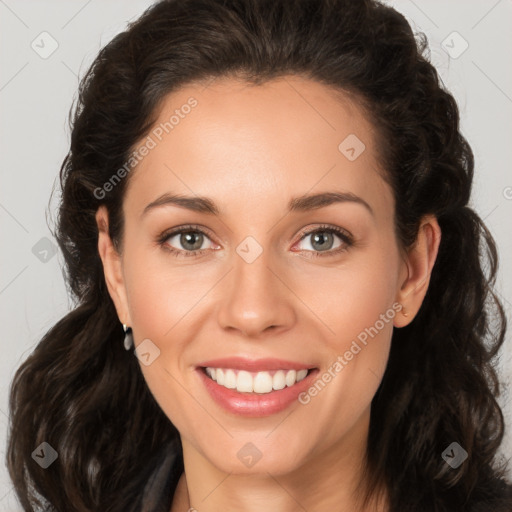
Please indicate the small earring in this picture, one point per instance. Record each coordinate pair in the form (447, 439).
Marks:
(128, 337)
(405, 314)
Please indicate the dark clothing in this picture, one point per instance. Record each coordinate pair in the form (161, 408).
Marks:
(160, 487)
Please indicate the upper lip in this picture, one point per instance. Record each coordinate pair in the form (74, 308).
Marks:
(254, 365)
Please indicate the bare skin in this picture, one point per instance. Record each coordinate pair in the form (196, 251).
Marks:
(251, 149)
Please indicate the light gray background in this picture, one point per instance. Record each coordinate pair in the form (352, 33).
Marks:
(36, 94)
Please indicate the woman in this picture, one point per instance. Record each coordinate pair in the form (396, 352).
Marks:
(326, 341)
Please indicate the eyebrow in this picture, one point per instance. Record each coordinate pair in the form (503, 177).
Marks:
(302, 203)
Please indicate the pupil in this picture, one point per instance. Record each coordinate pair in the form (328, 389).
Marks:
(186, 239)
(322, 237)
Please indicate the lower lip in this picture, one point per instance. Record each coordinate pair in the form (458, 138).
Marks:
(254, 404)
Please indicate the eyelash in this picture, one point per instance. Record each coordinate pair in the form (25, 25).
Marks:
(342, 234)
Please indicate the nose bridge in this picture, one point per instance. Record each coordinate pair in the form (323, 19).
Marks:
(255, 298)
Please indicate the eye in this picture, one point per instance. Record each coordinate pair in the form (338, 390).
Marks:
(324, 238)
(190, 238)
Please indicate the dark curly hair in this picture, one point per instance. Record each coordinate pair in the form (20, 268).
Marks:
(86, 396)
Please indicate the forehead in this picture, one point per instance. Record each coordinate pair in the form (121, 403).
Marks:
(241, 143)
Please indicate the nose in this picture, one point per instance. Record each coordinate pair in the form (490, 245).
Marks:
(255, 299)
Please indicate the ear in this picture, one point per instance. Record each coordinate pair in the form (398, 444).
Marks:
(112, 267)
(418, 264)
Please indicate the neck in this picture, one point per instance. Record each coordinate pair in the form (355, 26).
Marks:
(327, 481)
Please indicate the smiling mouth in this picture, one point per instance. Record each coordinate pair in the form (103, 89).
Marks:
(256, 382)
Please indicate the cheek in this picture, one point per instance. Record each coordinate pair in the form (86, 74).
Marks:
(161, 293)
(353, 300)
(148, 302)
(355, 304)
(358, 355)
(169, 389)
(159, 301)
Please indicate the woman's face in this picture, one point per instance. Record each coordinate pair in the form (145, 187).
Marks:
(258, 288)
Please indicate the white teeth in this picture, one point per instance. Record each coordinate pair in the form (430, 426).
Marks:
(230, 379)
(279, 381)
(291, 378)
(262, 383)
(244, 382)
(259, 382)
(301, 374)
